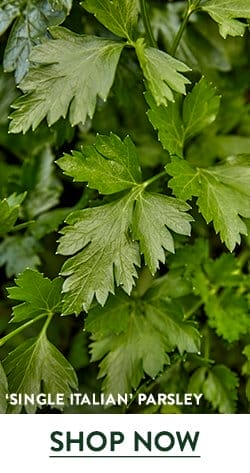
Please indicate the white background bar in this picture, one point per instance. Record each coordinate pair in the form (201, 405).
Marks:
(223, 443)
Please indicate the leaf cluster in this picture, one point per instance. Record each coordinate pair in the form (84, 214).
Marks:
(125, 201)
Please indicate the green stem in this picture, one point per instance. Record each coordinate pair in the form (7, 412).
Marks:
(21, 226)
(190, 8)
(153, 179)
(147, 25)
(45, 327)
(20, 329)
(193, 309)
(243, 258)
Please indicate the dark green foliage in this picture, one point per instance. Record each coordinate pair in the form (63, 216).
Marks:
(125, 201)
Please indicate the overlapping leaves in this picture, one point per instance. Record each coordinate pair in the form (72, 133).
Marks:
(70, 72)
(32, 18)
(177, 123)
(227, 13)
(37, 364)
(132, 338)
(118, 16)
(9, 212)
(219, 284)
(162, 73)
(223, 194)
(219, 386)
(106, 241)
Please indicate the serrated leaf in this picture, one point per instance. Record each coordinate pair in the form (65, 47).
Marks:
(101, 237)
(223, 194)
(225, 271)
(201, 46)
(70, 72)
(229, 315)
(226, 13)
(104, 252)
(162, 73)
(190, 256)
(168, 318)
(200, 108)
(110, 165)
(9, 211)
(185, 181)
(150, 330)
(104, 236)
(37, 366)
(220, 388)
(18, 253)
(3, 390)
(153, 215)
(177, 123)
(33, 19)
(39, 296)
(119, 16)
(168, 122)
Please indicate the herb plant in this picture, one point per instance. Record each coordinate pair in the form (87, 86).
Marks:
(125, 199)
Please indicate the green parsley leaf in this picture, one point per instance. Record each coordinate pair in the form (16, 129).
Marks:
(177, 124)
(9, 211)
(228, 314)
(119, 16)
(33, 19)
(200, 108)
(153, 215)
(70, 72)
(104, 236)
(110, 165)
(37, 366)
(162, 73)
(3, 390)
(168, 122)
(223, 194)
(225, 13)
(219, 386)
(149, 330)
(39, 296)
(99, 238)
